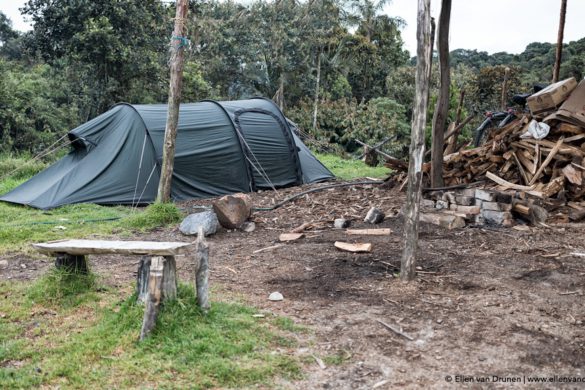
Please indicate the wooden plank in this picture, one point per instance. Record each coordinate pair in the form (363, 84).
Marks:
(507, 184)
(356, 248)
(97, 247)
(551, 96)
(547, 160)
(564, 149)
(565, 127)
(521, 169)
(575, 137)
(370, 232)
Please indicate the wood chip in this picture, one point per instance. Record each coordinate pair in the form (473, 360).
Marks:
(356, 248)
(290, 236)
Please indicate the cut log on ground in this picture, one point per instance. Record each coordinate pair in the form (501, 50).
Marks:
(370, 232)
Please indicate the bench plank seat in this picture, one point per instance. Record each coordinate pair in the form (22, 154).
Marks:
(93, 247)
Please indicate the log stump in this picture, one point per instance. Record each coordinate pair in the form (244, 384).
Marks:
(169, 278)
(154, 297)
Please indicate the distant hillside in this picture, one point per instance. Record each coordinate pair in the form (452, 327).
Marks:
(536, 62)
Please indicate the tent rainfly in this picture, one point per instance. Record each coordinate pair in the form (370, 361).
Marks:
(221, 148)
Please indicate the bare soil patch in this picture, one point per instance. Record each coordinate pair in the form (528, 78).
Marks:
(487, 301)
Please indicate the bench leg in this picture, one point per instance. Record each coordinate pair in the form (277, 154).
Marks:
(169, 278)
(154, 297)
(71, 263)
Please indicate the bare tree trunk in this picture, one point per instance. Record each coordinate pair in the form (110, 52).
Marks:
(505, 89)
(178, 41)
(559, 51)
(433, 27)
(417, 143)
(442, 108)
(280, 93)
(316, 104)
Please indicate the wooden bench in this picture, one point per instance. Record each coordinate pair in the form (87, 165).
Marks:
(157, 270)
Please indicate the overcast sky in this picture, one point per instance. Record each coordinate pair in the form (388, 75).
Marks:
(486, 25)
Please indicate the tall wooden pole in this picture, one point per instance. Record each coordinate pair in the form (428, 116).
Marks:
(317, 86)
(417, 143)
(559, 52)
(442, 107)
(178, 44)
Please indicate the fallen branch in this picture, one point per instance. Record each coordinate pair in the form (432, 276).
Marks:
(395, 330)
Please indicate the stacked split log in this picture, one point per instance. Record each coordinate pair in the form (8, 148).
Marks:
(551, 167)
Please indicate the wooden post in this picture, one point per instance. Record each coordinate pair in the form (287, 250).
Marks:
(202, 276)
(559, 51)
(71, 263)
(178, 42)
(417, 143)
(153, 299)
(442, 107)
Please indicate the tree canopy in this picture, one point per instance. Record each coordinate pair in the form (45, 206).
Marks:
(338, 68)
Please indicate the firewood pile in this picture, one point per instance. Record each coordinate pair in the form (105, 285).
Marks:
(513, 158)
(547, 170)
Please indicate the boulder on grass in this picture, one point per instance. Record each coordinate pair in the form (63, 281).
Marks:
(206, 219)
(232, 210)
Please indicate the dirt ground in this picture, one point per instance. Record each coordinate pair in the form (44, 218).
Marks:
(494, 304)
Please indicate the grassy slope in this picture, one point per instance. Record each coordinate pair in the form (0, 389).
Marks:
(86, 337)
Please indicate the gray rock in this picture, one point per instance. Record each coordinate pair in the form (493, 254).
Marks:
(3, 263)
(248, 226)
(207, 219)
(341, 223)
(374, 216)
(276, 296)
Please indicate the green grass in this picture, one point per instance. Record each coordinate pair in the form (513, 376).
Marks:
(20, 226)
(92, 343)
(348, 169)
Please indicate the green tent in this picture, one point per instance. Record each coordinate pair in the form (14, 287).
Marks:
(221, 148)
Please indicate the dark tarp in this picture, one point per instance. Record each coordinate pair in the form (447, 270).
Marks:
(221, 148)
